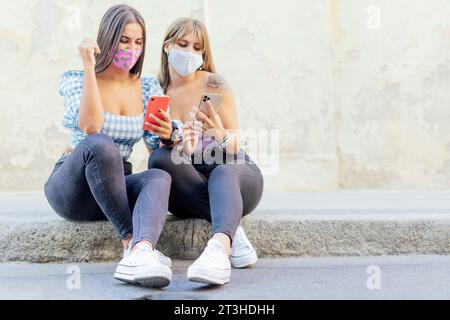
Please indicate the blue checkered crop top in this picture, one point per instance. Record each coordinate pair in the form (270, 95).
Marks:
(125, 130)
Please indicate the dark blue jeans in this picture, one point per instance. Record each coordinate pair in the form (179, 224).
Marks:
(90, 184)
(220, 193)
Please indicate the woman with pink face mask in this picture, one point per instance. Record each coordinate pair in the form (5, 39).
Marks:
(105, 106)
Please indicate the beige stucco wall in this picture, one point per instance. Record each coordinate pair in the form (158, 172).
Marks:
(359, 90)
(392, 94)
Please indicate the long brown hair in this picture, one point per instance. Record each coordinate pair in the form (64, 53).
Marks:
(177, 30)
(111, 28)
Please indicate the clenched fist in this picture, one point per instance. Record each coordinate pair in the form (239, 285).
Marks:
(87, 50)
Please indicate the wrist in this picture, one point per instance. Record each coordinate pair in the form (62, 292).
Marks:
(89, 68)
(169, 137)
(173, 137)
(225, 141)
(221, 135)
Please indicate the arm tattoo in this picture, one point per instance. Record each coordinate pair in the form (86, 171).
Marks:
(216, 81)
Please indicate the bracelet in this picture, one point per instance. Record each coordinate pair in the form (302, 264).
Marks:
(175, 135)
(224, 142)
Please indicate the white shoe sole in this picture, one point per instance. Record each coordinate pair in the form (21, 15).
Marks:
(204, 274)
(245, 260)
(153, 278)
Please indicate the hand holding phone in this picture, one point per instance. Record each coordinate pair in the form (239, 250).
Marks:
(207, 113)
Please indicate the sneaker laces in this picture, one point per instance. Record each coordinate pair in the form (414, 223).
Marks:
(159, 253)
(141, 254)
(213, 250)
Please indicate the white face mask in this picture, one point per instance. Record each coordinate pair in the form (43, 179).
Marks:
(184, 62)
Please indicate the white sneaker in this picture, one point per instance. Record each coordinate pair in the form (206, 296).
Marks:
(143, 267)
(242, 252)
(162, 258)
(213, 265)
(126, 252)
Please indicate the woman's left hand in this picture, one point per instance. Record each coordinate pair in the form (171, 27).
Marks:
(164, 129)
(213, 124)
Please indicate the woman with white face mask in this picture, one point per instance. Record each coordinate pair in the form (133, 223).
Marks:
(219, 191)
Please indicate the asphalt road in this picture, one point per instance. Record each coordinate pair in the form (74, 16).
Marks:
(382, 277)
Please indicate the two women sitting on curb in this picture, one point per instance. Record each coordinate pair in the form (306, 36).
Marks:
(105, 107)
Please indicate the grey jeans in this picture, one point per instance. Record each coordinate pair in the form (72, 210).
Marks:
(220, 193)
(91, 183)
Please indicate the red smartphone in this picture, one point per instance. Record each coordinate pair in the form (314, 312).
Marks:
(154, 104)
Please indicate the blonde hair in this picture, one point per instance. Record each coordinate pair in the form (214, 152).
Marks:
(177, 30)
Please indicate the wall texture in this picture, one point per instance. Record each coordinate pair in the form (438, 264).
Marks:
(358, 89)
(392, 93)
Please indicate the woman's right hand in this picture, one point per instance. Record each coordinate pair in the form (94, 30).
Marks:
(87, 50)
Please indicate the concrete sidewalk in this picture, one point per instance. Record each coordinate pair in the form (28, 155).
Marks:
(284, 224)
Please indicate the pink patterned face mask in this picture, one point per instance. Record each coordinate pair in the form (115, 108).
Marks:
(125, 59)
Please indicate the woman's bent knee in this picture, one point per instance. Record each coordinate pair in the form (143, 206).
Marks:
(97, 139)
(227, 171)
(157, 174)
(102, 145)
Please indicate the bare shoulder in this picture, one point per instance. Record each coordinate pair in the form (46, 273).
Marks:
(217, 82)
